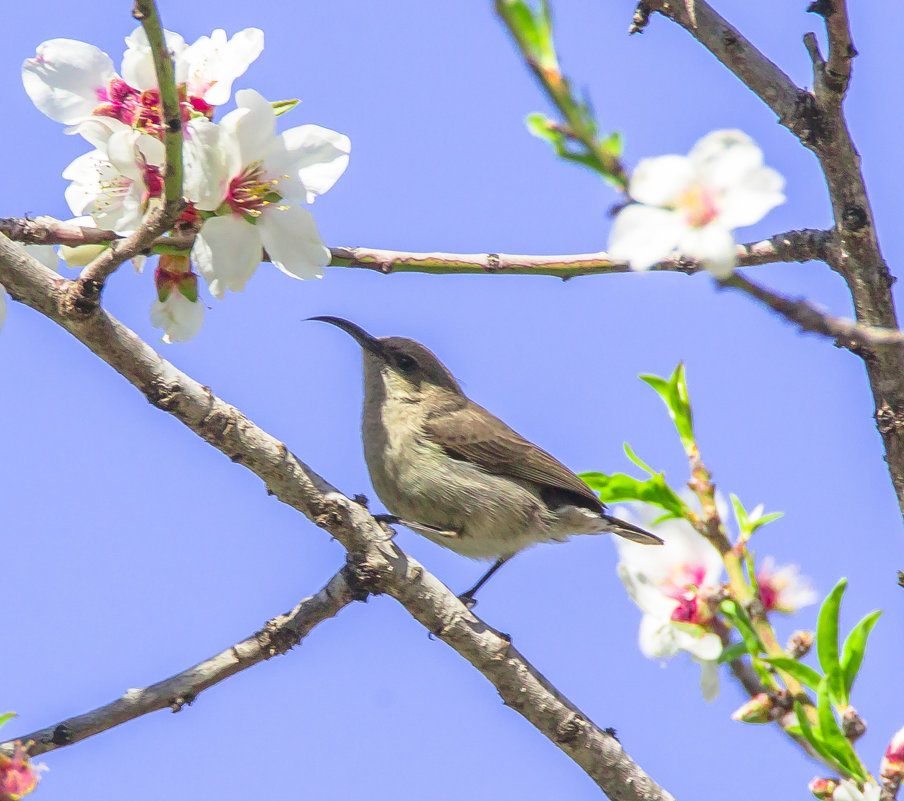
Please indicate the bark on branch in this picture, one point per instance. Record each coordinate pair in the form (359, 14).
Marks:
(275, 638)
(376, 563)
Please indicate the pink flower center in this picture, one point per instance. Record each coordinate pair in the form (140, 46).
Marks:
(142, 110)
(249, 192)
(699, 206)
(683, 587)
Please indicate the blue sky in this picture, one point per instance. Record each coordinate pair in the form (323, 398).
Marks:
(134, 550)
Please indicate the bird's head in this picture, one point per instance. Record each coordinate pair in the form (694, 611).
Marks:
(405, 368)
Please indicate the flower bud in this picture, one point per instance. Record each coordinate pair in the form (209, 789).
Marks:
(852, 724)
(18, 777)
(799, 644)
(823, 788)
(892, 767)
(759, 709)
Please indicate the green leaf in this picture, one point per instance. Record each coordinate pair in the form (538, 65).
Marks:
(832, 735)
(674, 393)
(806, 675)
(854, 647)
(740, 512)
(827, 642)
(613, 145)
(280, 107)
(765, 520)
(629, 451)
(731, 652)
(741, 622)
(812, 736)
(6, 717)
(621, 487)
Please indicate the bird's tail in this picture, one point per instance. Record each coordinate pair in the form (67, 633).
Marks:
(630, 531)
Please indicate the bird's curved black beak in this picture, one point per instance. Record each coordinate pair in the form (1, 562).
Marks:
(361, 336)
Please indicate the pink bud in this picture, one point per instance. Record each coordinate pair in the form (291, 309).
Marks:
(823, 788)
(892, 766)
(18, 777)
(759, 709)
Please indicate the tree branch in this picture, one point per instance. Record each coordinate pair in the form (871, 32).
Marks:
(275, 638)
(377, 564)
(847, 333)
(792, 246)
(818, 120)
(84, 296)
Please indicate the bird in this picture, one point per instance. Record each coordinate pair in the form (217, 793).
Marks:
(448, 469)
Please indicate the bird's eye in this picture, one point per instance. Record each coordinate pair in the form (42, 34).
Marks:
(405, 363)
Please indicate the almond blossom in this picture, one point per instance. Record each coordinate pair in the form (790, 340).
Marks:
(783, 589)
(116, 182)
(251, 179)
(689, 205)
(71, 81)
(671, 585)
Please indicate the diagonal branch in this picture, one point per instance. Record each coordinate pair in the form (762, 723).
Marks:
(378, 565)
(275, 638)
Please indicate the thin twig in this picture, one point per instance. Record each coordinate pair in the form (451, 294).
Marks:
(580, 126)
(378, 564)
(84, 297)
(847, 333)
(278, 636)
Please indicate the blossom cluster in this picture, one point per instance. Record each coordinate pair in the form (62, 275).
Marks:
(678, 586)
(243, 181)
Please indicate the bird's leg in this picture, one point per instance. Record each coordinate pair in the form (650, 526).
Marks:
(467, 598)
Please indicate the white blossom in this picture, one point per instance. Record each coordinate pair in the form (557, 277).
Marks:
(253, 179)
(116, 182)
(689, 205)
(783, 589)
(670, 584)
(849, 791)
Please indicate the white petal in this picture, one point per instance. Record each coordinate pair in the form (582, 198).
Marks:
(213, 63)
(98, 130)
(723, 158)
(712, 244)
(661, 180)
(206, 179)
(138, 63)
(65, 78)
(709, 680)
(705, 648)
(644, 236)
(318, 155)
(253, 124)
(751, 198)
(227, 251)
(656, 638)
(46, 254)
(2, 305)
(179, 318)
(292, 241)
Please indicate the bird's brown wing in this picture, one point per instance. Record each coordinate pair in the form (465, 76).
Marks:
(474, 435)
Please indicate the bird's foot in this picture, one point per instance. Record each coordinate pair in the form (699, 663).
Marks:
(468, 600)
